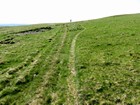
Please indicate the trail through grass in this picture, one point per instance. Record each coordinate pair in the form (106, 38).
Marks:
(38, 100)
(72, 79)
(95, 62)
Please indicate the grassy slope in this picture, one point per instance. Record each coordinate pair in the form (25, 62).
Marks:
(108, 60)
(36, 69)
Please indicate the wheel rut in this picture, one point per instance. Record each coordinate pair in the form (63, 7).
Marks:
(38, 99)
(73, 96)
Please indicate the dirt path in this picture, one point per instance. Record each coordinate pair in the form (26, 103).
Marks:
(73, 96)
(38, 98)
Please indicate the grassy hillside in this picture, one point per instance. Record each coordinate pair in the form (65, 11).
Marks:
(85, 63)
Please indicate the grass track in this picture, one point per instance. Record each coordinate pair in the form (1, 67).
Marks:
(38, 100)
(70, 64)
(72, 79)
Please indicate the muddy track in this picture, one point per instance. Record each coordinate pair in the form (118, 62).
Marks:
(38, 99)
(73, 96)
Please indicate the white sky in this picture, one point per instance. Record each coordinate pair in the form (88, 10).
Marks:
(49, 11)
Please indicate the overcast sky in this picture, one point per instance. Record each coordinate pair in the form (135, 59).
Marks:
(50, 11)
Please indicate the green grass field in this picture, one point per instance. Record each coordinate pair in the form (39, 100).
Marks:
(95, 62)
